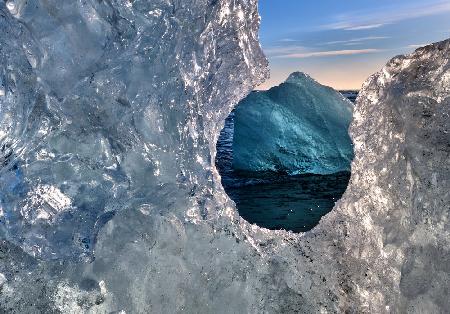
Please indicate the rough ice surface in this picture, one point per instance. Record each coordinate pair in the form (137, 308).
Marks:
(297, 127)
(110, 106)
(110, 200)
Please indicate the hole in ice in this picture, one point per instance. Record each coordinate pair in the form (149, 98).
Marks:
(276, 198)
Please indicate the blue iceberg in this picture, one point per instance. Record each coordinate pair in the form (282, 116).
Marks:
(297, 127)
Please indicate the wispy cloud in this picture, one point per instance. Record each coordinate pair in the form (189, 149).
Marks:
(353, 41)
(387, 15)
(329, 53)
(361, 27)
(353, 25)
(417, 46)
(288, 40)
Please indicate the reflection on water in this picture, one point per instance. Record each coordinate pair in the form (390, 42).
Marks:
(273, 200)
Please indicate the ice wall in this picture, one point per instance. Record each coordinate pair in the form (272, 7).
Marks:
(297, 127)
(110, 201)
(394, 215)
(111, 104)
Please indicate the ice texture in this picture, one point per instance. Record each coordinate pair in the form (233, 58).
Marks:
(297, 127)
(110, 200)
(107, 108)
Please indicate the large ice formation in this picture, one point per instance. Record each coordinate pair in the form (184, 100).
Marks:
(110, 106)
(110, 201)
(297, 127)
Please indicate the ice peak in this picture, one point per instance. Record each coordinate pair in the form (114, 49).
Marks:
(297, 127)
(299, 77)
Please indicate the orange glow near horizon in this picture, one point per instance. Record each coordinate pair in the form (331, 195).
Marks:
(338, 77)
(342, 43)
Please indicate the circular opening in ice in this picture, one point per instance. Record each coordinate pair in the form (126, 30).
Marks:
(276, 199)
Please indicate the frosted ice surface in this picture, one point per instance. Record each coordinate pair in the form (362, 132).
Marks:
(297, 127)
(110, 201)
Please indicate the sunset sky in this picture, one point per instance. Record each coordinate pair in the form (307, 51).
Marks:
(341, 43)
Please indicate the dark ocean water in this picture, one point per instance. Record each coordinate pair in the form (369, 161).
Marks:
(276, 200)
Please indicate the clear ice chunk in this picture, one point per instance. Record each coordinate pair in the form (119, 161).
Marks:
(110, 201)
(297, 127)
(103, 108)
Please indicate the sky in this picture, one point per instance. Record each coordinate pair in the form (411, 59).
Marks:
(341, 43)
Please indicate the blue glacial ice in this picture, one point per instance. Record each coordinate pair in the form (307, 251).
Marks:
(297, 127)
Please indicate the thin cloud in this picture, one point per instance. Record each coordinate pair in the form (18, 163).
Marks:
(351, 44)
(388, 15)
(288, 40)
(331, 53)
(417, 46)
(354, 41)
(361, 27)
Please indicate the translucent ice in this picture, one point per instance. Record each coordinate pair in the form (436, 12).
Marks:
(102, 102)
(299, 126)
(110, 201)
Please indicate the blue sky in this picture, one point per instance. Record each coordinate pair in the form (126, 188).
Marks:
(341, 43)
